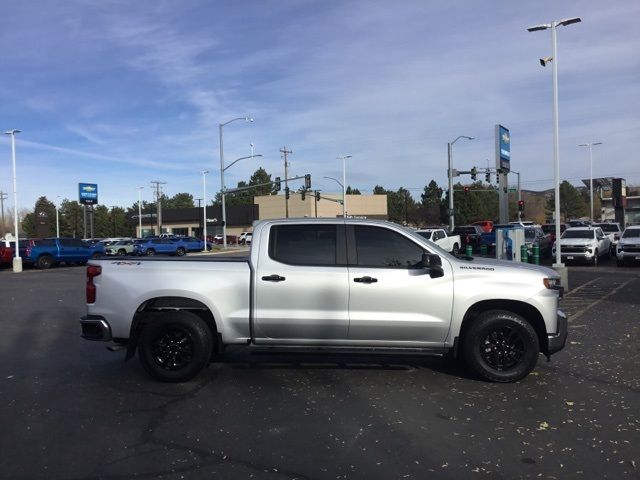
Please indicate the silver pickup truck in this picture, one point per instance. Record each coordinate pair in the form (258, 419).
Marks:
(329, 285)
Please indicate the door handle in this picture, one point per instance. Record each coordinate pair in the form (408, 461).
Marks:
(365, 280)
(274, 278)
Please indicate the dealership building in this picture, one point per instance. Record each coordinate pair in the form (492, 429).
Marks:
(240, 218)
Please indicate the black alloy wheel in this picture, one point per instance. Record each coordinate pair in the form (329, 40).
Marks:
(500, 346)
(150, 252)
(172, 349)
(44, 262)
(180, 252)
(122, 252)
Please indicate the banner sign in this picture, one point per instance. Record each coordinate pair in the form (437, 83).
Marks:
(503, 149)
(88, 193)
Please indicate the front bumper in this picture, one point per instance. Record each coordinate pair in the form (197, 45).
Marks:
(557, 340)
(95, 327)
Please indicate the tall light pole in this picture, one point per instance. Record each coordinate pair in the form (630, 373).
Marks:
(341, 186)
(17, 261)
(556, 146)
(344, 184)
(222, 169)
(450, 175)
(204, 208)
(57, 218)
(590, 145)
(140, 210)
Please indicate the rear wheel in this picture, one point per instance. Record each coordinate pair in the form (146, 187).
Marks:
(180, 252)
(122, 252)
(44, 262)
(456, 249)
(150, 252)
(175, 347)
(594, 262)
(501, 346)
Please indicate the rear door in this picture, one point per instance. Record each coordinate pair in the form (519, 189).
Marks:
(393, 301)
(302, 289)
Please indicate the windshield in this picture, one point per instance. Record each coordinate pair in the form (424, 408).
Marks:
(578, 234)
(631, 232)
(608, 227)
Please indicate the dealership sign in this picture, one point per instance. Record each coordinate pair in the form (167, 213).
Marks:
(88, 193)
(503, 149)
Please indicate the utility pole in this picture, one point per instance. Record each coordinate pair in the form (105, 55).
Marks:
(3, 197)
(285, 152)
(157, 184)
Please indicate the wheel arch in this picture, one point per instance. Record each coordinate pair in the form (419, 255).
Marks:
(153, 308)
(527, 311)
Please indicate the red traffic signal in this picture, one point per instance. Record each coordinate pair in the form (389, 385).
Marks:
(521, 205)
(466, 189)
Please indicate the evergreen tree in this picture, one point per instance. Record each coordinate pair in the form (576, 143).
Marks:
(352, 191)
(572, 204)
(431, 199)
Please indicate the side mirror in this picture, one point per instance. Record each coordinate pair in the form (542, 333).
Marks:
(433, 263)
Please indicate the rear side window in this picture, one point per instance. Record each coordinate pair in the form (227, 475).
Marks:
(303, 244)
(380, 247)
(45, 243)
(71, 242)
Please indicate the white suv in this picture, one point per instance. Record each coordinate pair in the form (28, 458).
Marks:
(583, 243)
(611, 230)
(628, 249)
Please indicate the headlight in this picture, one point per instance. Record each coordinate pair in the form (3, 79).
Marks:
(553, 283)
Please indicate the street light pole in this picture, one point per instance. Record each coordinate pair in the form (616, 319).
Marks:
(204, 208)
(140, 210)
(17, 261)
(556, 144)
(57, 218)
(450, 175)
(344, 184)
(590, 145)
(222, 169)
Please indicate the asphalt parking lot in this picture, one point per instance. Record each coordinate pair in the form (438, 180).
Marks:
(70, 409)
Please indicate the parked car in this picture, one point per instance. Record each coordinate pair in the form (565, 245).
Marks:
(611, 230)
(242, 238)
(469, 235)
(486, 225)
(248, 238)
(450, 243)
(586, 244)
(389, 289)
(6, 254)
(536, 236)
(550, 229)
(46, 252)
(154, 246)
(628, 248)
(231, 239)
(121, 247)
(192, 244)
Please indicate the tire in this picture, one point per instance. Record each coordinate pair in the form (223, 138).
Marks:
(96, 255)
(175, 347)
(594, 262)
(44, 262)
(122, 252)
(456, 250)
(150, 252)
(180, 252)
(500, 346)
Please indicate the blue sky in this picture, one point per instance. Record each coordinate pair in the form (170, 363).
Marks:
(121, 93)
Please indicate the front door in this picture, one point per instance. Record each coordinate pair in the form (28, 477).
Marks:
(393, 300)
(302, 289)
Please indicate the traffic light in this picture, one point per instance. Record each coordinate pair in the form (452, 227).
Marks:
(317, 195)
(277, 184)
(521, 205)
(487, 176)
(466, 189)
(303, 194)
(307, 181)
(474, 173)
(286, 193)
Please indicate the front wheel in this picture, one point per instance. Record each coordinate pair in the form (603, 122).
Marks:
(175, 347)
(180, 252)
(594, 262)
(501, 346)
(122, 252)
(151, 252)
(456, 250)
(44, 262)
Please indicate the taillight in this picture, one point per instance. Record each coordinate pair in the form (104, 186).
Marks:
(92, 271)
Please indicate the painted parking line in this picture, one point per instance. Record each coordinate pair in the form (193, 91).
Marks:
(587, 296)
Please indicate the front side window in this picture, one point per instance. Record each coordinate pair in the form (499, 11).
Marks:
(381, 247)
(303, 244)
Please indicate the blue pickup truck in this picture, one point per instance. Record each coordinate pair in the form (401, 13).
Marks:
(46, 252)
(155, 245)
(192, 244)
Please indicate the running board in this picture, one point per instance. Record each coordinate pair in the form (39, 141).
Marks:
(347, 350)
